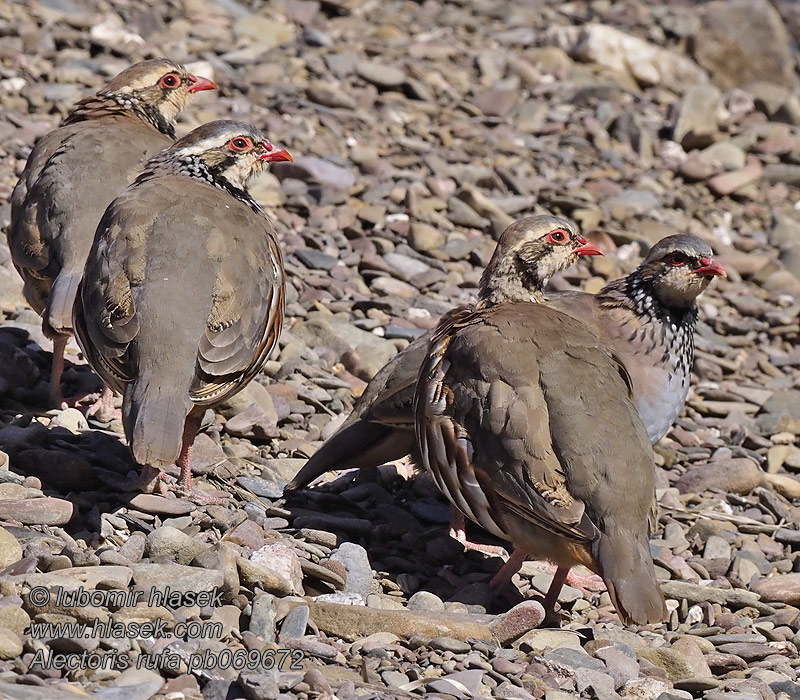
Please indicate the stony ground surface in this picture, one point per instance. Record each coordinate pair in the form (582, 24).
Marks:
(420, 130)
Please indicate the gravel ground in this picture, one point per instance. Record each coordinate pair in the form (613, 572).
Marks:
(419, 130)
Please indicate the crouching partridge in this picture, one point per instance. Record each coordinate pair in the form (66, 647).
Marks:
(647, 318)
(381, 428)
(512, 408)
(75, 171)
(182, 299)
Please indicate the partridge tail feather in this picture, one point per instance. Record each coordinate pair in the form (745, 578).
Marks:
(627, 568)
(58, 314)
(356, 445)
(153, 417)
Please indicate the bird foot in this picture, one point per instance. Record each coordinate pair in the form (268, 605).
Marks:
(103, 413)
(200, 498)
(103, 409)
(155, 481)
(586, 584)
(460, 535)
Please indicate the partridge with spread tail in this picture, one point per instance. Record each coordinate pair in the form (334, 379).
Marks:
(72, 175)
(182, 299)
(647, 318)
(511, 409)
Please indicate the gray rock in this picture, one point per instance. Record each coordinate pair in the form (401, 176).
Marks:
(171, 543)
(359, 571)
(423, 601)
(176, 577)
(463, 684)
(262, 618)
(260, 686)
(294, 624)
(316, 259)
(697, 120)
(381, 75)
(743, 41)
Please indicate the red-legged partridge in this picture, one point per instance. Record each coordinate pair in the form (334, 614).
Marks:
(72, 175)
(512, 410)
(381, 426)
(182, 299)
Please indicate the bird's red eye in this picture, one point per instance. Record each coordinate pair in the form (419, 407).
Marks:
(677, 259)
(170, 80)
(240, 143)
(559, 236)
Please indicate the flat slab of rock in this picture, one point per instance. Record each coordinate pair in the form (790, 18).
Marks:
(38, 511)
(353, 621)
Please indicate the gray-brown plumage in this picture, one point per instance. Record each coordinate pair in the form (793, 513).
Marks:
(75, 171)
(511, 409)
(647, 318)
(182, 298)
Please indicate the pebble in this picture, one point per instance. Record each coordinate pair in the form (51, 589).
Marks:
(294, 624)
(158, 505)
(359, 572)
(37, 511)
(10, 549)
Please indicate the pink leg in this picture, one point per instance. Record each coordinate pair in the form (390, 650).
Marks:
(190, 428)
(458, 532)
(184, 486)
(503, 577)
(57, 369)
(153, 480)
(551, 598)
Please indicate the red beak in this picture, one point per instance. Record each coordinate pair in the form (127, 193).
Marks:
(588, 249)
(710, 269)
(273, 155)
(198, 83)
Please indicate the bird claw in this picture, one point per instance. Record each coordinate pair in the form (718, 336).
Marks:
(586, 584)
(460, 535)
(199, 498)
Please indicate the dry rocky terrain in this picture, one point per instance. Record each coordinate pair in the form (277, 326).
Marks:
(419, 131)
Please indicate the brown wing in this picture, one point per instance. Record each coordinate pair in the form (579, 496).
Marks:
(179, 261)
(71, 176)
(484, 431)
(246, 316)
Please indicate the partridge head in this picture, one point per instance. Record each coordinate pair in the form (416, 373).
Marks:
(156, 91)
(677, 269)
(530, 251)
(224, 153)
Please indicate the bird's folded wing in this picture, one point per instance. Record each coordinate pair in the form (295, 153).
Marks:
(486, 437)
(246, 315)
(37, 194)
(105, 313)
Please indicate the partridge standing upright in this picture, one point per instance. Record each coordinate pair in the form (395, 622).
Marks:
(647, 318)
(182, 299)
(512, 408)
(75, 171)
